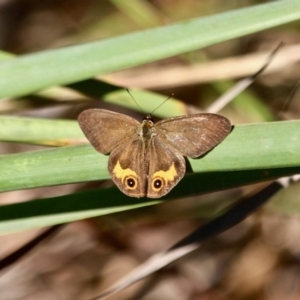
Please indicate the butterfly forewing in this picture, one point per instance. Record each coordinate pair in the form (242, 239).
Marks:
(196, 134)
(106, 129)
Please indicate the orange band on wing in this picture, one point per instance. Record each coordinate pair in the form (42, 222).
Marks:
(123, 173)
(168, 175)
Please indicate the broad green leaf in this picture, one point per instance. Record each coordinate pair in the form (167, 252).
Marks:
(248, 147)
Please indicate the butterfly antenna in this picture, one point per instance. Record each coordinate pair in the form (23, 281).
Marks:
(127, 90)
(162, 103)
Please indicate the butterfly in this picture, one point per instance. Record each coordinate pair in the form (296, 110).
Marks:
(147, 158)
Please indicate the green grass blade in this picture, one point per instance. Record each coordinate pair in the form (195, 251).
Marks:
(34, 72)
(57, 210)
(248, 147)
(40, 131)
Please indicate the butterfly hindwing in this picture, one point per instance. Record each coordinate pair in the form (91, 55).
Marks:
(166, 168)
(127, 166)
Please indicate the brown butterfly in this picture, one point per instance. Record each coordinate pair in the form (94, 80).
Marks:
(147, 159)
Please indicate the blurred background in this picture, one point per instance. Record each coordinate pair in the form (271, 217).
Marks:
(258, 259)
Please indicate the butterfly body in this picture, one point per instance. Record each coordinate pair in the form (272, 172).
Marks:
(147, 159)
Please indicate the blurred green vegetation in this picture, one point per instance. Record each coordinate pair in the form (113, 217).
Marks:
(60, 57)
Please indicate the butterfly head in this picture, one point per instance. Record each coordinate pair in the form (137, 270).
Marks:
(147, 128)
(148, 118)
